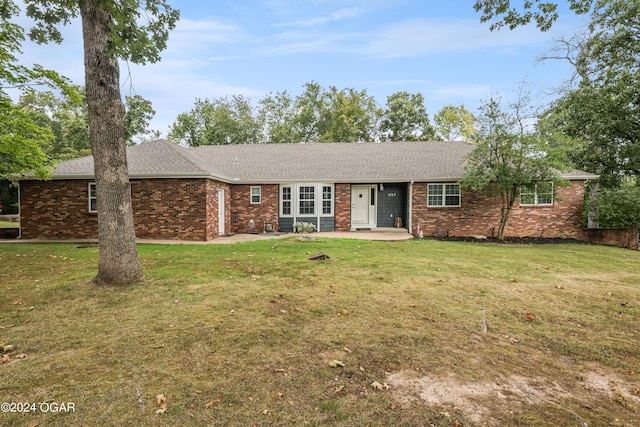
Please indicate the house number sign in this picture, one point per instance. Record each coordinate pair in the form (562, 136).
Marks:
(391, 194)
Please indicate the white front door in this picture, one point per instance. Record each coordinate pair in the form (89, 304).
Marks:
(221, 231)
(363, 206)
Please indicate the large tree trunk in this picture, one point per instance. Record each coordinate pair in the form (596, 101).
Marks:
(119, 263)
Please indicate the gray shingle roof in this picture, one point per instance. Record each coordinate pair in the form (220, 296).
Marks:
(274, 163)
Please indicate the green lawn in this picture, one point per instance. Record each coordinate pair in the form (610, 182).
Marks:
(383, 333)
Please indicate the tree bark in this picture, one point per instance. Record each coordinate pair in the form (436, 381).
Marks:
(119, 262)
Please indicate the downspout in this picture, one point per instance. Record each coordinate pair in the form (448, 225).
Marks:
(410, 216)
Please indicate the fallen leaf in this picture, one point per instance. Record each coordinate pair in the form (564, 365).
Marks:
(17, 303)
(160, 398)
(529, 316)
(158, 346)
(213, 402)
(336, 363)
(514, 280)
(21, 356)
(377, 386)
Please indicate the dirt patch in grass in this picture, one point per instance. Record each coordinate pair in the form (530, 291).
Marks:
(486, 403)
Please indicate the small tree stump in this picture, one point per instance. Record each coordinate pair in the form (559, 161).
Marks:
(319, 257)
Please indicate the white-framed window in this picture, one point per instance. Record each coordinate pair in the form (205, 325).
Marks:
(540, 194)
(327, 199)
(256, 195)
(286, 199)
(443, 195)
(93, 198)
(306, 199)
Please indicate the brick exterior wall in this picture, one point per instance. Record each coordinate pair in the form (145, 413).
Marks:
(56, 210)
(173, 209)
(242, 210)
(187, 209)
(343, 207)
(480, 213)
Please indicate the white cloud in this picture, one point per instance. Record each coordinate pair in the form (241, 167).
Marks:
(425, 36)
(338, 15)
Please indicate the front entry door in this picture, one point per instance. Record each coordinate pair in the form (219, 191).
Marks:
(363, 206)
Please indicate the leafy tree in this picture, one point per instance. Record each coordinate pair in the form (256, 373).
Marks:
(453, 122)
(309, 106)
(20, 135)
(544, 13)
(132, 30)
(217, 122)
(277, 115)
(138, 112)
(602, 113)
(66, 119)
(405, 118)
(348, 115)
(509, 156)
(619, 207)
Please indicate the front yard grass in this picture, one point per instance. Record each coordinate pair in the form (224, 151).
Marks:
(384, 333)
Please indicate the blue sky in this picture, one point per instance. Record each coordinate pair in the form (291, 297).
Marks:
(253, 47)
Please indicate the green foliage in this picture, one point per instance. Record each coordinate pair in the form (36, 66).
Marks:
(602, 114)
(348, 115)
(276, 114)
(20, 139)
(217, 122)
(406, 118)
(139, 30)
(137, 115)
(619, 207)
(21, 136)
(509, 156)
(453, 122)
(543, 13)
(67, 121)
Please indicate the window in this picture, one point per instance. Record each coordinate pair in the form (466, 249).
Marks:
(93, 199)
(537, 194)
(307, 200)
(443, 195)
(256, 195)
(285, 200)
(327, 199)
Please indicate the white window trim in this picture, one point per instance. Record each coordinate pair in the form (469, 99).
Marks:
(535, 195)
(255, 187)
(291, 201)
(90, 197)
(318, 199)
(444, 195)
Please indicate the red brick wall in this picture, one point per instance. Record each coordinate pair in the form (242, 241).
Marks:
(343, 207)
(56, 210)
(480, 213)
(170, 208)
(242, 210)
(175, 209)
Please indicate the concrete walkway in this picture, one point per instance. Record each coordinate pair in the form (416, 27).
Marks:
(383, 234)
